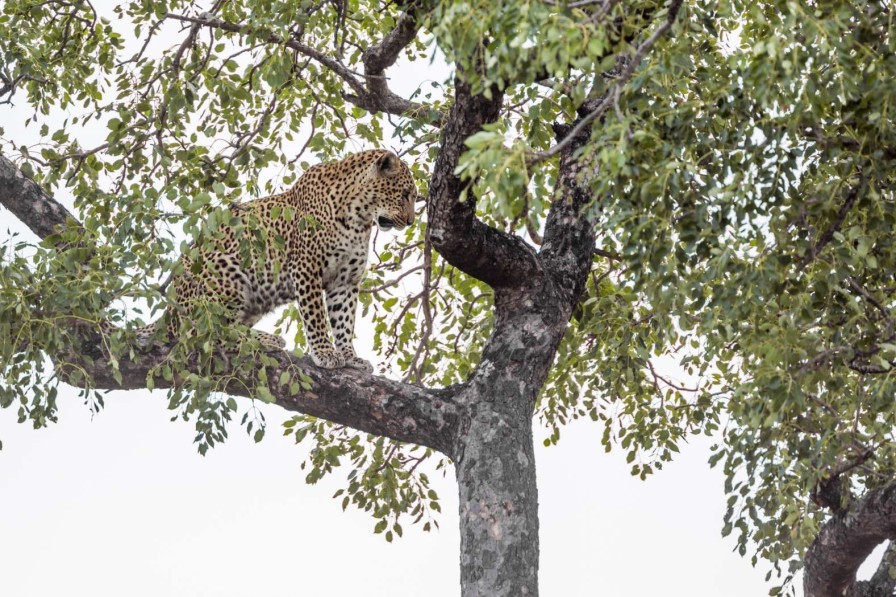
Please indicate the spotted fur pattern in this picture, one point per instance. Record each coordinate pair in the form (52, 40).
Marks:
(311, 245)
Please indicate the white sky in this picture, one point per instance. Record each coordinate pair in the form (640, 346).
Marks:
(123, 504)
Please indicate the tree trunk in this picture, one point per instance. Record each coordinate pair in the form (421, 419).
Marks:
(494, 455)
(846, 540)
(498, 506)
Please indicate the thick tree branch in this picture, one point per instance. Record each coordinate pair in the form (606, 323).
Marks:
(569, 234)
(487, 254)
(372, 404)
(376, 95)
(846, 540)
(30, 204)
(401, 411)
(377, 58)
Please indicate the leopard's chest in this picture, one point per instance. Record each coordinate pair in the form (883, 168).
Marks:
(345, 259)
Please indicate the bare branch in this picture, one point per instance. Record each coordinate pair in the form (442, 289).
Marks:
(853, 283)
(611, 255)
(534, 235)
(393, 281)
(420, 354)
(598, 16)
(659, 378)
(30, 204)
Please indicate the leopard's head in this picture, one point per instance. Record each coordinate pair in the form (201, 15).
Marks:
(394, 191)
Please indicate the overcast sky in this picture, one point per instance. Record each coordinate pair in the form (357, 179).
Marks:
(122, 504)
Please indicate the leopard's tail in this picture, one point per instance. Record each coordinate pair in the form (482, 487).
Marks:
(144, 335)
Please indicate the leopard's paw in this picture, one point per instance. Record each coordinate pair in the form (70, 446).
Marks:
(327, 357)
(359, 364)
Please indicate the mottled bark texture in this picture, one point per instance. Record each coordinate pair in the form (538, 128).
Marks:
(534, 298)
(29, 203)
(369, 403)
(484, 424)
(487, 254)
(882, 583)
(845, 541)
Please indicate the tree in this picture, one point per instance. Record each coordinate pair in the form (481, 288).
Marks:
(794, 300)
(607, 184)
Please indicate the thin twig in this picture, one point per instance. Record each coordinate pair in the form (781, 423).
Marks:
(392, 282)
(346, 74)
(623, 78)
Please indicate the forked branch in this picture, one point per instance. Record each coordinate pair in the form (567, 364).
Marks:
(487, 254)
(846, 540)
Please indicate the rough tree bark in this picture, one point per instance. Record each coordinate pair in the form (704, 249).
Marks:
(846, 541)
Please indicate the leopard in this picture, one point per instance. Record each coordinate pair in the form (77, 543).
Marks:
(310, 245)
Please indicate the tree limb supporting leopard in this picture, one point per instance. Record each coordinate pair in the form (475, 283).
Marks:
(373, 404)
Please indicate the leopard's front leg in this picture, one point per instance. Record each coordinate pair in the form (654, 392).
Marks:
(342, 303)
(310, 297)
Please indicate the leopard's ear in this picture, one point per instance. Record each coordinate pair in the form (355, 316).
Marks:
(387, 164)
